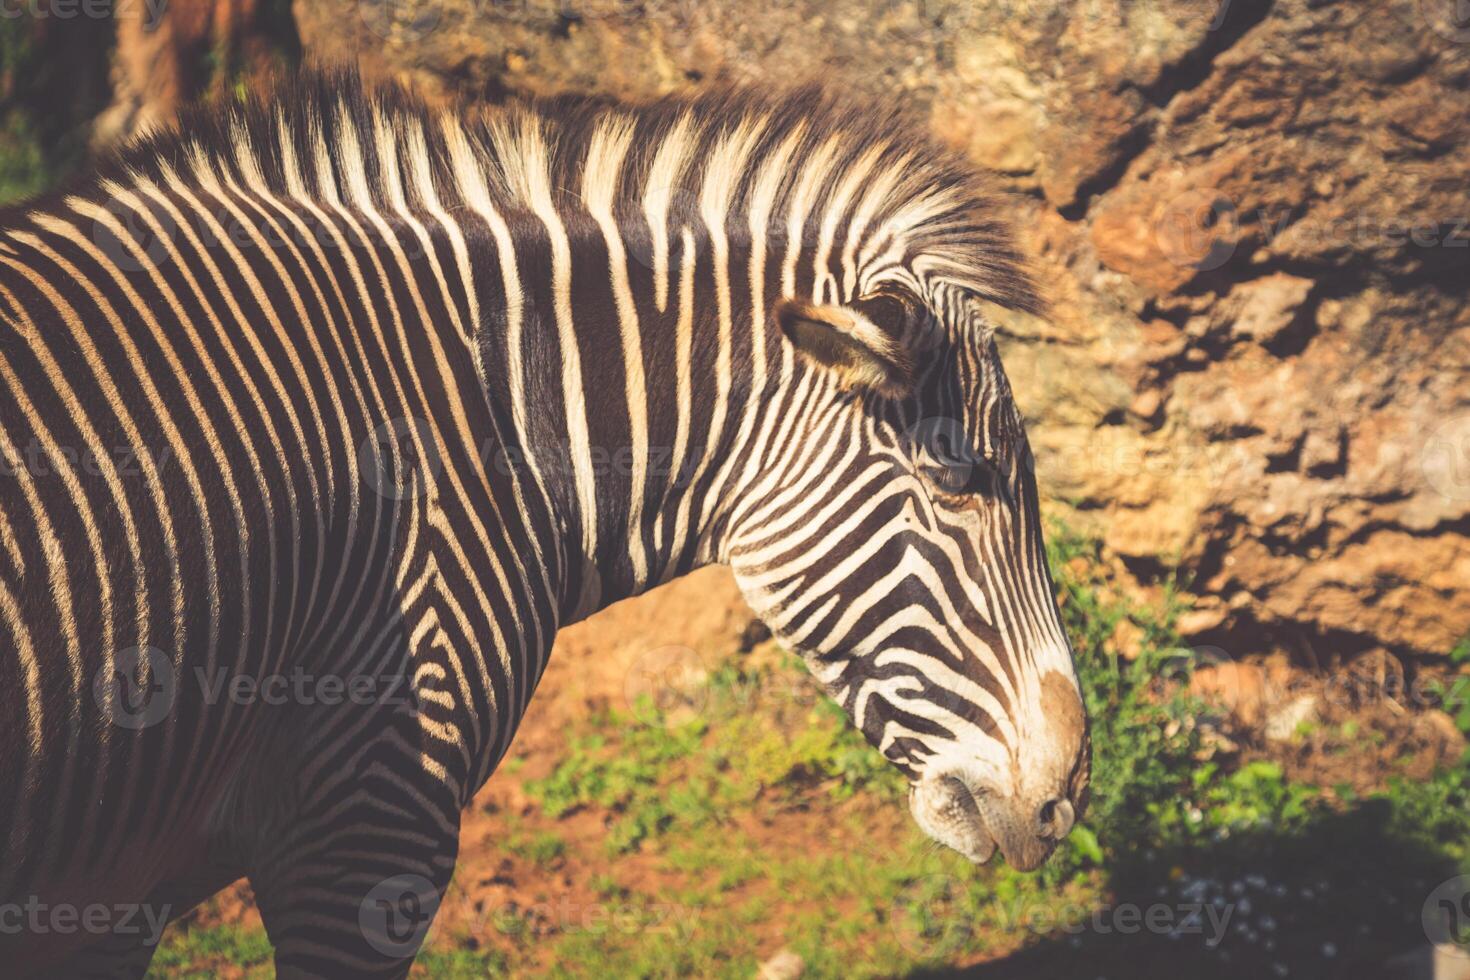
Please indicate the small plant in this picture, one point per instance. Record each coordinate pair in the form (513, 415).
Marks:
(191, 951)
(1455, 695)
(1144, 745)
(542, 849)
(689, 878)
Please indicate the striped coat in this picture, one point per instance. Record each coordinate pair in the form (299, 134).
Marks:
(320, 416)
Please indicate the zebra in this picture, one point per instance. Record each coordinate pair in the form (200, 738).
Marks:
(330, 389)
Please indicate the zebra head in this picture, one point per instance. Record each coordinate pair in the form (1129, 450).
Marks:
(900, 552)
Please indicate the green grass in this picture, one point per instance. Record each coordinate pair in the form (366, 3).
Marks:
(766, 821)
(53, 82)
(543, 848)
(196, 952)
(23, 169)
(659, 778)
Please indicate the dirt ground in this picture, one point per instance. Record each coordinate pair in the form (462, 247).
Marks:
(605, 661)
(1339, 731)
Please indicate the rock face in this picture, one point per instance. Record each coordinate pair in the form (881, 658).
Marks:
(1252, 218)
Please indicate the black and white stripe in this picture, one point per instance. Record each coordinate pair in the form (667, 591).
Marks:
(334, 385)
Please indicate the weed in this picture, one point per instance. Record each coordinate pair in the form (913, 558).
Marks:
(703, 889)
(201, 952)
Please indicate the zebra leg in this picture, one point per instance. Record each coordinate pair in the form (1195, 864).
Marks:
(356, 897)
(352, 886)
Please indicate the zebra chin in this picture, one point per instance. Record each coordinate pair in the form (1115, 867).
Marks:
(977, 823)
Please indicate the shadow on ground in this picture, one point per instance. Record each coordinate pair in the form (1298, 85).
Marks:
(1343, 901)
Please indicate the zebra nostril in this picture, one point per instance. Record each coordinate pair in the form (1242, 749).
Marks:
(1054, 819)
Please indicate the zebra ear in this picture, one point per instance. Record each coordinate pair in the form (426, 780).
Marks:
(848, 344)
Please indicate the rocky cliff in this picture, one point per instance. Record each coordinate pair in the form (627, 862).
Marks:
(1252, 219)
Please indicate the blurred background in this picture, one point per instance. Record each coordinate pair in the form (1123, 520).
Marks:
(1250, 406)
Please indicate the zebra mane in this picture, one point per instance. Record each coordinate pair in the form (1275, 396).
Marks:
(728, 151)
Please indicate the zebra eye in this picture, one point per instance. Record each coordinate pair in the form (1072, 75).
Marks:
(962, 475)
(942, 452)
(947, 462)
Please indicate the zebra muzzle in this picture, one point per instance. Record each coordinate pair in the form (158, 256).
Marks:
(976, 822)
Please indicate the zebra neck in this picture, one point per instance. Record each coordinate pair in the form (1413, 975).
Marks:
(633, 385)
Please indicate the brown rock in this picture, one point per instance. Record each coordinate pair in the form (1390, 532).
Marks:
(1285, 719)
(1201, 619)
(1269, 305)
(785, 965)
(1126, 639)
(1164, 232)
(1239, 688)
(1289, 181)
(1147, 405)
(1087, 136)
